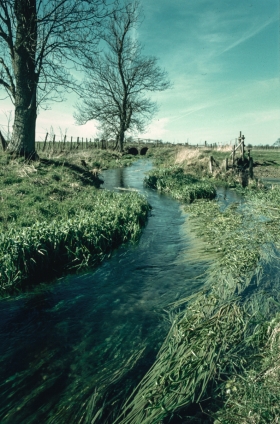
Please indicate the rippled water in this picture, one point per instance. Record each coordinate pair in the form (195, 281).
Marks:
(68, 343)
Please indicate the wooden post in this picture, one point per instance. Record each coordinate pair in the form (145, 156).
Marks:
(64, 141)
(226, 164)
(82, 143)
(77, 143)
(71, 143)
(233, 155)
(45, 142)
(241, 139)
(53, 141)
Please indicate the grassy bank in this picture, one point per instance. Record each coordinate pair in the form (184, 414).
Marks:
(54, 218)
(220, 362)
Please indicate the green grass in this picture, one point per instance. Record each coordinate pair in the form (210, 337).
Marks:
(54, 218)
(222, 353)
(181, 186)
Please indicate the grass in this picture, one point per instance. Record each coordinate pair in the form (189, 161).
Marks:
(196, 161)
(221, 358)
(54, 218)
(183, 187)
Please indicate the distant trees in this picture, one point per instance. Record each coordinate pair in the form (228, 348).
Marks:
(118, 79)
(38, 40)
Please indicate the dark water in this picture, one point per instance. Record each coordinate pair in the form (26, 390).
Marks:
(63, 345)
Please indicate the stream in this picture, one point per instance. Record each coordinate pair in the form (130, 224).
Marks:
(64, 344)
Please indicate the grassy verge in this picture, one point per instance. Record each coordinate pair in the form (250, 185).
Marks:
(220, 362)
(53, 218)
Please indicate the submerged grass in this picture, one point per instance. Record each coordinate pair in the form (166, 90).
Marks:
(221, 356)
(53, 218)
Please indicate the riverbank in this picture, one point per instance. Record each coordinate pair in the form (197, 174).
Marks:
(221, 358)
(55, 218)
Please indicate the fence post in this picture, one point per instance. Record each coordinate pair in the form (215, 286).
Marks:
(64, 142)
(233, 155)
(45, 142)
(71, 146)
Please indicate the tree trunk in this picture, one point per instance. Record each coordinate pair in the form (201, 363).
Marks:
(23, 138)
(3, 142)
(121, 139)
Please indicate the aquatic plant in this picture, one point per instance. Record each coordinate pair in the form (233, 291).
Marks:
(181, 186)
(219, 337)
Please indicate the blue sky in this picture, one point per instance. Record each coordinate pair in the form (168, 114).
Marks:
(223, 60)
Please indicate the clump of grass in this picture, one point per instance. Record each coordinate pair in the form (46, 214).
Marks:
(49, 247)
(181, 186)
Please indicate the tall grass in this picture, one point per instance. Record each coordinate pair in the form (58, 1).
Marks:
(181, 186)
(222, 353)
(53, 218)
(47, 247)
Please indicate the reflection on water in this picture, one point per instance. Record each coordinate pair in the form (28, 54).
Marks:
(61, 346)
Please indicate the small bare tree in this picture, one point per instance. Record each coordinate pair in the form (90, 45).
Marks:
(119, 78)
(38, 40)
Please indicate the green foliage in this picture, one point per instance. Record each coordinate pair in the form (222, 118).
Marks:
(47, 247)
(221, 345)
(254, 396)
(163, 155)
(53, 218)
(181, 186)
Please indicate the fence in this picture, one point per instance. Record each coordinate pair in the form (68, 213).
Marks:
(81, 143)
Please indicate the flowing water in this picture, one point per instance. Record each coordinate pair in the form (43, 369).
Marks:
(63, 345)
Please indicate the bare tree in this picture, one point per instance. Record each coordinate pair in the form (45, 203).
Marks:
(118, 79)
(38, 41)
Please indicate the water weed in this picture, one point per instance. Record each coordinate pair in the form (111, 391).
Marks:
(220, 356)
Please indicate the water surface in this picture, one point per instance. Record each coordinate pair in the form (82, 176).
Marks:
(65, 345)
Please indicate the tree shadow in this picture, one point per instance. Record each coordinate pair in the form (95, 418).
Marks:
(82, 173)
